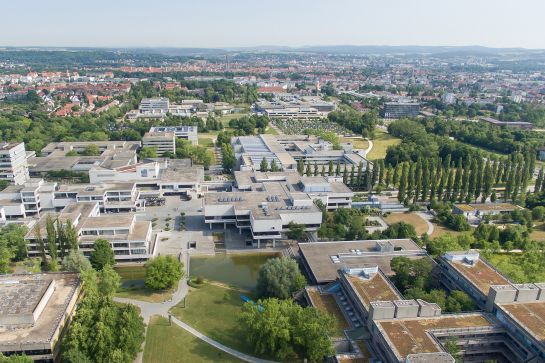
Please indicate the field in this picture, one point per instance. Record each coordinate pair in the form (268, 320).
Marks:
(439, 230)
(214, 311)
(358, 143)
(414, 219)
(538, 233)
(170, 343)
(380, 145)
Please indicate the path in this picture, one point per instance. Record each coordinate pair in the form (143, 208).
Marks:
(370, 147)
(218, 345)
(427, 217)
(148, 309)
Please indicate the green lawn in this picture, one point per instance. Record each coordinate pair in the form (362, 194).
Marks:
(214, 311)
(170, 343)
(206, 142)
(271, 130)
(380, 144)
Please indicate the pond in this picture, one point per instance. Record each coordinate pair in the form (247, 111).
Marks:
(131, 276)
(239, 270)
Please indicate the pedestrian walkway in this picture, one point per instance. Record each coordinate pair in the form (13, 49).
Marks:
(215, 344)
(427, 217)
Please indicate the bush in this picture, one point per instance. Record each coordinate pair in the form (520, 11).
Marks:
(163, 272)
(279, 277)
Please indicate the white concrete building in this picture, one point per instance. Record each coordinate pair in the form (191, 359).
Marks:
(154, 106)
(13, 162)
(161, 141)
(131, 240)
(180, 132)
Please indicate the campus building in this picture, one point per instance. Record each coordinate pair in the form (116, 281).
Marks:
(154, 106)
(352, 282)
(162, 142)
(35, 310)
(154, 177)
(395, 110)
(130, 239)
(188, 133)
(70, 156)
(13, 162)
(287, 150)
(304, 109)
(513, 124)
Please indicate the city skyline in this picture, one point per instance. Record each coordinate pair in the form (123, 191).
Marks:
(214, 24)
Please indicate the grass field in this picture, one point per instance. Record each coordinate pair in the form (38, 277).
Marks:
(170, 343)
(214, 311)
(380, 145)
(439, 230)
(206, 142)
(271, 130)
(538, 233)
(358, 143)
(414, 219)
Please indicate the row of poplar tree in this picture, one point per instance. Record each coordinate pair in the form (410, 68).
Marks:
(462, 180)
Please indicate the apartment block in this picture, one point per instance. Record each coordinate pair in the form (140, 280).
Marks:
(13, 162)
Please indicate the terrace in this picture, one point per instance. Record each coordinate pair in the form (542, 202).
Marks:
(480, 274)
(376, 288)
(413, 336)
(530, 315)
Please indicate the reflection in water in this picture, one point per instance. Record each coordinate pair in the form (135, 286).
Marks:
(240, 270)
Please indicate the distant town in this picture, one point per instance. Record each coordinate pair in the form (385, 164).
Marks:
(372, 204)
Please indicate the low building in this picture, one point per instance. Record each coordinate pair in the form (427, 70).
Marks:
(480, 210)
(154, 177)
(14, 162)
(163, 142)
(28, 199)
(353, 284)
(287, 150)
(266, 203)
(396, 110)
(154, 106)
(131, 240)
(35, 310)
(514, 124)
(66, 157)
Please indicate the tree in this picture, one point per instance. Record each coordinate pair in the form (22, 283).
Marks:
(279, 277)
(400, 230)
(229, 160)
(102, 331)
(76, 261)
(51, 242)
(102, 254)
(300, 166)
(148, 152)
(296, 231)
(274, 166)
(91, 150)
(264, 165)
(163, 272)
(538, 213)
(15, 358)
(286, 331)
(71, 236)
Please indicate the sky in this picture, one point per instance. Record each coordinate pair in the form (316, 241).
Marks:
(241, 23)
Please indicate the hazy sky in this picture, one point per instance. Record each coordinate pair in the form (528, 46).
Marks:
(224, 23)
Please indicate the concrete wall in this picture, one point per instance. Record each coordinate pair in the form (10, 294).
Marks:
(381, 310)
(406, 309)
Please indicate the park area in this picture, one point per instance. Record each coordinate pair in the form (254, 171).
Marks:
(413, 219)
(381, 142)
(181, 347)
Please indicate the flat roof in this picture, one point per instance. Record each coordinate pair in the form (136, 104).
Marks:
(43, 330)
(530, 315)
(375, 288)
(21, 296)
(410, 336)
(480, 274)
(318, 256)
